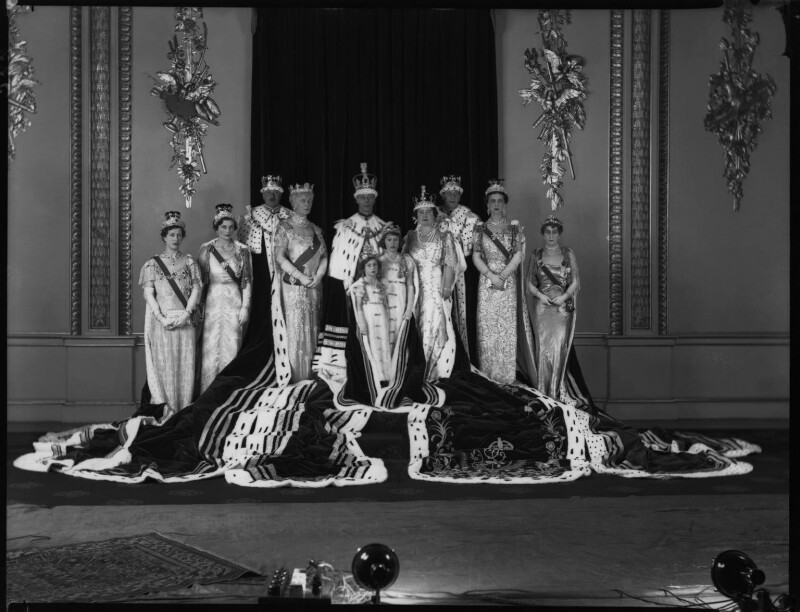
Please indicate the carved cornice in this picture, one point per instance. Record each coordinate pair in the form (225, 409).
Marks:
(125, 27)
(99, 251)
(615, 212)
(663, 167)
(76, 168)
(640, 171)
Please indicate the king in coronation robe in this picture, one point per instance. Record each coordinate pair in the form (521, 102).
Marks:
(460, 221)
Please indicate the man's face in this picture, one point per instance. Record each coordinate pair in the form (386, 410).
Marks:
(451, 198)
(366, 202)
(271, 197)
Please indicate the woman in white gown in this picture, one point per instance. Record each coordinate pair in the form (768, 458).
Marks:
(227, 269)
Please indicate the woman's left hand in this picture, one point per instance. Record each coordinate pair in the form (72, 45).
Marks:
(182, 320)
(243, 315)
(558, 301)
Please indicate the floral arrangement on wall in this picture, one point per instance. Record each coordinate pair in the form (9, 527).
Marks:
(558, 86)
(20, 82)
(740, 98)
(186, 90)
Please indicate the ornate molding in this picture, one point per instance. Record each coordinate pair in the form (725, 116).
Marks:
(125, 27)
(663, 167)
(76, 167)
(640, 171)
(615, 211)
(99, 251)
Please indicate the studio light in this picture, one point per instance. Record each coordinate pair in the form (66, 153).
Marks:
(736, 576)
(375, 567)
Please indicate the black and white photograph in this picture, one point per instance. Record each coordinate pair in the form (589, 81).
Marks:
(458, 306)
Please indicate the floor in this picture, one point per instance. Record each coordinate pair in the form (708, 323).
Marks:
(652, 550)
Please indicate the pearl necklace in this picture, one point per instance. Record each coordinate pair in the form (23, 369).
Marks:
(299, 221)
(426, 238)
(555, 251)
(499, 223)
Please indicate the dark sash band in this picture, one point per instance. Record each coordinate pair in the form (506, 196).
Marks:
(225, 266)
(303, 259)
(500, 246)
(171, 280)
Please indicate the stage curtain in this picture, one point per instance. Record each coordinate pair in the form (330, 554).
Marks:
(411, 92)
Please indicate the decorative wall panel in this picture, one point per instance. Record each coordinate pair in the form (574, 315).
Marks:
(615, 211)
(663, 167)
(100, 220)
(640, 171)
(76, 167)
(125, 173)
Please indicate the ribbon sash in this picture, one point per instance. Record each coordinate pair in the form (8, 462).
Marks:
(225, 266)
(171, 280)
(569, 304)
(500, 246)
(303, 259)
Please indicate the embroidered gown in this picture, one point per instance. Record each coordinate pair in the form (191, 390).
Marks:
(553, 326)
(497, 308)
(302, 307)
(395, 275)
(372, 301)
(432, 312)
(222, 334)
(169, 353)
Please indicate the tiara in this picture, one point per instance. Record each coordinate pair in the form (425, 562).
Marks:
(304, 188)
(172, 218)
(365, 183)
(271, 182)
(424, 200)
(450, 183)
(224, 211)
(552, 220)
(496, 186)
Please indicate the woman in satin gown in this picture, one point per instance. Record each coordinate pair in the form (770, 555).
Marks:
(553, 282)
(397, 275)
(227, 269)
(169, 334)
(301, 254)
(371, 308)
(434, 253)
(498, 250)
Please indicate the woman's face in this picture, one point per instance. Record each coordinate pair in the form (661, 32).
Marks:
(225, 230)
(551, 235)
(496, 204)
(371, 269)
(392, 243)
(174, 238)
(425, 216)
(301, 203)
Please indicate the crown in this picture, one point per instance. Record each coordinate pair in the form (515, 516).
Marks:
(172, 218)
(496, 186)
(224, 211)
(271, 182)
(304, 188)
(553, 220)
(450, 183)
(365, 183)
(424, 200)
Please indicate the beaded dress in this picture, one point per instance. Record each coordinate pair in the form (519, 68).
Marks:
(497, 308)
(222, 334)
(431, 253)
(169, 353)
(371, 299)
(302, 306)
(554, 326)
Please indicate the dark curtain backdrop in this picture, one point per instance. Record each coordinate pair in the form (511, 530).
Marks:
(411, 92)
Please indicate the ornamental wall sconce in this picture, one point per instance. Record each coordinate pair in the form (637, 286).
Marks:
(559, 88)
(186, 90)
(740, 98)
(20, 83)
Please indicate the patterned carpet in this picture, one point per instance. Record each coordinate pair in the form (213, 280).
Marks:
(111, 570)
(770, 475)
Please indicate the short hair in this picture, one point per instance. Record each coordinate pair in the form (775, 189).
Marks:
(217, 222)
(555, 224)
(363, 264)
(165, 230)
(390, 232)
(502, 193)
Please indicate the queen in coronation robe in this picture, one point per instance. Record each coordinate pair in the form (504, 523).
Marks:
(227, 270)
(434, 253)
(301, 256)
(503, 331)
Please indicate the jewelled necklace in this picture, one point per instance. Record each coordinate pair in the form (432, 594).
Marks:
(426, 238)
(500, 223)
(555, 251)
(299, 221)
(173, 258)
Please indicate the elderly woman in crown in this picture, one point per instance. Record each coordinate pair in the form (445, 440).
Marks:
(171, 282)
(302, 259)
(435, 256)
(227, 270)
